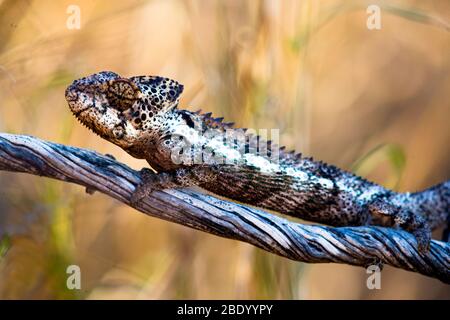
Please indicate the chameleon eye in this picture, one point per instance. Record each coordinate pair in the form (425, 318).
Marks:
(121, 93)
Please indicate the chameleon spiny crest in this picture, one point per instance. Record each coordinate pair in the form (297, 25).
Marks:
(140, 114)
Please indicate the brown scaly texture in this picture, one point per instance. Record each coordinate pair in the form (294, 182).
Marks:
(140, 115)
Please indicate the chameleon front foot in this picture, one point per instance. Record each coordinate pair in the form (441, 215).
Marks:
(146, 187)
(179, 178)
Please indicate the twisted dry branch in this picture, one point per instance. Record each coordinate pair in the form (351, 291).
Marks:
(359, 246)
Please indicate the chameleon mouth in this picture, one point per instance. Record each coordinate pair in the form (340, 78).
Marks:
(76, 105)
(79, 112)
(73, 97)
(78, 100)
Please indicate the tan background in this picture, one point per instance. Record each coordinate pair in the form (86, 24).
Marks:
(310, 68)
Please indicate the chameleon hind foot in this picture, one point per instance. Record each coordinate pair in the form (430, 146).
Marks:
(387, 214)
(417, 225)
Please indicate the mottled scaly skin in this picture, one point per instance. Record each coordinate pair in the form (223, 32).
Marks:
(140, 115)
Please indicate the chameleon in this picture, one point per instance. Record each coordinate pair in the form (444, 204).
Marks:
(140, 114)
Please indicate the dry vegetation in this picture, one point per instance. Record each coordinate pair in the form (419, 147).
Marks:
(310, 68)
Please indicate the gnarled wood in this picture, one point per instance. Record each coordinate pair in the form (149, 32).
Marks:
(359, 246)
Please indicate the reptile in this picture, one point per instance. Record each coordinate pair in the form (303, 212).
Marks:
(140, 114)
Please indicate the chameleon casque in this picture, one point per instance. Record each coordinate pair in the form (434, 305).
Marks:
(140, 115)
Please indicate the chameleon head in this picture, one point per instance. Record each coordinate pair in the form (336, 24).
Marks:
(125, 111)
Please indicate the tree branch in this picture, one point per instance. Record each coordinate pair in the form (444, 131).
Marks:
(360, 246)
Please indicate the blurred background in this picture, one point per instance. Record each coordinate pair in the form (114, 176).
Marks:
(372, 101)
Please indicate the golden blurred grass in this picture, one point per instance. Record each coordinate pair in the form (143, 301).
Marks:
(374, 101)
